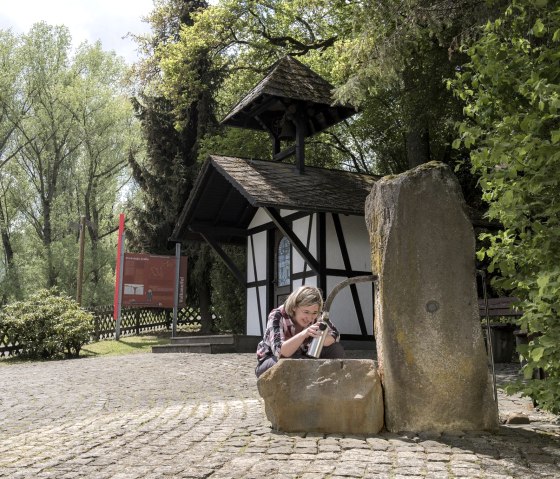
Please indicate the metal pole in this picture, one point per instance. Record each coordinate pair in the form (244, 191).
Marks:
(176, 291)
(80, 277)
(489, 334)
(121, 278)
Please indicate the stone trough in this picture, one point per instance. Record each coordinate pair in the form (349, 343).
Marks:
(323, 395)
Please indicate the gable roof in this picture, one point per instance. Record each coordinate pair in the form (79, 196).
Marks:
(287, 82)
(228, 192)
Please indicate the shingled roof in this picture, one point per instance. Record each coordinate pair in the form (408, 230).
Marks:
(229, 190)
(289, 82)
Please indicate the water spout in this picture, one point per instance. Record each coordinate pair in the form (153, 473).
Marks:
(330, 298)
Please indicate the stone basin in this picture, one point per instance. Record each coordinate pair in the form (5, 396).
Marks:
(323, 395)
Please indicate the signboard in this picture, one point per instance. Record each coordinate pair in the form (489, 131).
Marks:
(149, 280)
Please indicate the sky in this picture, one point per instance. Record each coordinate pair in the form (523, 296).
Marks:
(91, 20)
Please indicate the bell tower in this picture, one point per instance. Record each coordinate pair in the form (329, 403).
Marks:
(291, 103)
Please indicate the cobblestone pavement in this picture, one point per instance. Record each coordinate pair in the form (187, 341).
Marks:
(200, 416)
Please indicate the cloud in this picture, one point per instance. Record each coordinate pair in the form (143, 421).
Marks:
(105, 20)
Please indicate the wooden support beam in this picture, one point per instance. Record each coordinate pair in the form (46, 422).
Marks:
(300, 144)
(226, 259)
(284, 154)
(294, 240)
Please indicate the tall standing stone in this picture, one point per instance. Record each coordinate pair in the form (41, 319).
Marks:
(430, 346)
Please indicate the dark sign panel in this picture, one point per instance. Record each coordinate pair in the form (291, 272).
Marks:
(149, 280)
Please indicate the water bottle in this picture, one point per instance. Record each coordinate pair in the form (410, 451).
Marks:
(316, 345)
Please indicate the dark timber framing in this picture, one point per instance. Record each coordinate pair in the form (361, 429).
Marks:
(349, 272)
(284, 224)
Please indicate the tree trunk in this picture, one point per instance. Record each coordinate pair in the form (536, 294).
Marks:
(206, 322)
(417, 146)
(12, 274)
(47, 242)
(417, 118)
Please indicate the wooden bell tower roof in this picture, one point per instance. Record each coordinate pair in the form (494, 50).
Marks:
(290, 90)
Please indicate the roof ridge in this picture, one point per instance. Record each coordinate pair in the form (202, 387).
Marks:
(277, 163)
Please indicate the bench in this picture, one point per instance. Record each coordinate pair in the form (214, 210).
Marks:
(499, 307)
(503, 334)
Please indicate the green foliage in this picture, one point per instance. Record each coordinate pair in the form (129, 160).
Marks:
(47, 325)
(229, 298)
(66, 129)
(511, 90)
(240, 40)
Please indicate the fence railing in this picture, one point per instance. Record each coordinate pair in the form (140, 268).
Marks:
(133, 321)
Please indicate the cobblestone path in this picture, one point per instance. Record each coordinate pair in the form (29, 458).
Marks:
(200, 416)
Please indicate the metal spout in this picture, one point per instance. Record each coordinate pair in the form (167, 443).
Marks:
(330, 298)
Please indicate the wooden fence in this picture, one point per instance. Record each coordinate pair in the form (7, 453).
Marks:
(133, 321)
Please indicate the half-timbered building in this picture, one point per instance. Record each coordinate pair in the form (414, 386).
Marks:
(300, 224)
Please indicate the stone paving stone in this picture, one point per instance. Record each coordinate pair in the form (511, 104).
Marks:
(199, 416)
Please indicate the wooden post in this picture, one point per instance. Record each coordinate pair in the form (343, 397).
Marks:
(80, 278)
(176, 289)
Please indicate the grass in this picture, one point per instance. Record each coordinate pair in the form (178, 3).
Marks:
(126, 345)
(109, 347)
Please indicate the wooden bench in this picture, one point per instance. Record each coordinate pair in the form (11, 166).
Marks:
(498, 307)
(503, 333)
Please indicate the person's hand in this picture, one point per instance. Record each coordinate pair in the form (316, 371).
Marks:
(312, 331)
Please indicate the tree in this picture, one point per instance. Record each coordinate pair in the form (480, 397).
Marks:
(48, 132)
(511, 90)
(240, 41)
(67, 127)
(173, 131)
(109, 133)
(394, 63)
(12, 109)
(390, 59)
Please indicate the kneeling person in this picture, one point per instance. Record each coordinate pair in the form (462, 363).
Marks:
(292, 326)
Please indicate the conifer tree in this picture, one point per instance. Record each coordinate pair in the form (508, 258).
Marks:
(172, 132)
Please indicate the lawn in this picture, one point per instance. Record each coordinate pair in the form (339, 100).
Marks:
(126, 345)
(109, 347)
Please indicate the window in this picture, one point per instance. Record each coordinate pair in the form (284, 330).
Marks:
(284, 262)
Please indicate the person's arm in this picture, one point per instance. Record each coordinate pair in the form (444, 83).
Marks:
(329, 340)
(290, 346)
(332, 337)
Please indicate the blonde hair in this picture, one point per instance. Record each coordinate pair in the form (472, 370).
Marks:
(303, 296)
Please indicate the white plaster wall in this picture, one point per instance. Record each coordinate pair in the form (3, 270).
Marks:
(253, 328)
(262, 218)
(343, 313)
(357, 243)
(308, 282)
(301, 228)
(287, 212)
(259, 242)
(259, 219)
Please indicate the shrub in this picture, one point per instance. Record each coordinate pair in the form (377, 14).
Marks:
(47, 325)
(511, 89)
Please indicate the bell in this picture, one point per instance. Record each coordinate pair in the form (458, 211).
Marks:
(288, 130)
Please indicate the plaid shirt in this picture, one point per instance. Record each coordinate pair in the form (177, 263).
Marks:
(279, 328)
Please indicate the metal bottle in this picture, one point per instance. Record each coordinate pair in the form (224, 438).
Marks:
(316, 345)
